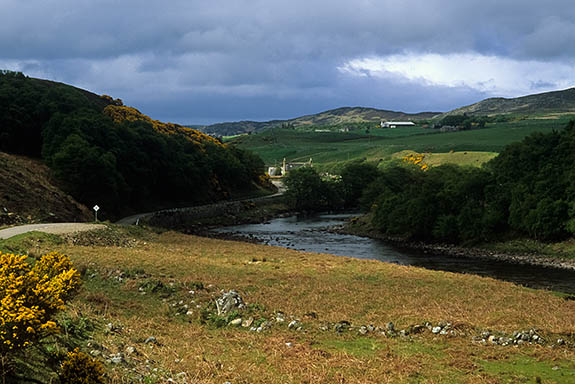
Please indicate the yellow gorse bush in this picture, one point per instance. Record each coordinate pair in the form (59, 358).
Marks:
(31, 295)
(80, 368)
(416, 159)
(121, 113)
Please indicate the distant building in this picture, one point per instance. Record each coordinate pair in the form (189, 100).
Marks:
(279, 172)
(286, 167)
(274, 171)
(395, 124)
(449, 128)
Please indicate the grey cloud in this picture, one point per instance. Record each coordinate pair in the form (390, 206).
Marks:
(99, 29)
(268, 58)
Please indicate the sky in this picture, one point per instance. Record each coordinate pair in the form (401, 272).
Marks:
(208, 61)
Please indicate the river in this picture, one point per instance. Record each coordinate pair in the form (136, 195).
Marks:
(311, 234)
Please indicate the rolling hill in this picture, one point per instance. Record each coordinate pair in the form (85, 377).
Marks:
(541, 103)
(102, 152)
(332, 117)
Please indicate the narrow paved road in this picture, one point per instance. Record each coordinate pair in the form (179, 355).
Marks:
(56, 228)
(61, 228)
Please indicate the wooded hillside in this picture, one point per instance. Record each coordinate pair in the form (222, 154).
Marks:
(105, 153)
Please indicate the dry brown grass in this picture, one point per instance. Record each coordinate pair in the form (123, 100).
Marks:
(335, 288)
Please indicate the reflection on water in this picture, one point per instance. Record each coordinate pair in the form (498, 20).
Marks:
(309, 234)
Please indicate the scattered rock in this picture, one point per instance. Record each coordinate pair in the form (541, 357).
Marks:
(248, 322)
(116, 358)
(436, 330)
(112, 328)
(418, 329)
(229, 301)
(236, 322)
(151, 340)
(293, 324)
(525, 336)
(342, 326)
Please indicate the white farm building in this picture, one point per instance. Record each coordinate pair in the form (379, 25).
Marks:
(395, 124)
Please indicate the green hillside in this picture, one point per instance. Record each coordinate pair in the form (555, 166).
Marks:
(102, 152)
(556, 102)
(339, 116)
(542, 103)
(327, 148)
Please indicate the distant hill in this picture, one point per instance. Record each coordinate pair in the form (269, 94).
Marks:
(332, 117)
(548, 102)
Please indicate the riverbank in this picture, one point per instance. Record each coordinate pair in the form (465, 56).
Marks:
(519, 252)
(198, 220)
(201, 221)
(148, 310)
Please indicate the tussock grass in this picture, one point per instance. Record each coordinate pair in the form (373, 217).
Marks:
(298, 283)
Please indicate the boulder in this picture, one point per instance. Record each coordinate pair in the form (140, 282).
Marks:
(228, 302)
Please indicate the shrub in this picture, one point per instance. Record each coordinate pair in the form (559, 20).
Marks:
(80, 368)
(308, 192)
(30, 296)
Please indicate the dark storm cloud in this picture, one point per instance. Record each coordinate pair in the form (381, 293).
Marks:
(269, 58)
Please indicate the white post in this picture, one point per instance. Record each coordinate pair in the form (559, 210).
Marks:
(96, 209)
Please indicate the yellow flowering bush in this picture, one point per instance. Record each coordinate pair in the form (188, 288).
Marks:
(121, 113)
(30, 296)
(80, 368)
(416, 159)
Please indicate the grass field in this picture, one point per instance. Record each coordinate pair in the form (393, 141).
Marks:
(466, 158)
(162, 285)
(327, 149)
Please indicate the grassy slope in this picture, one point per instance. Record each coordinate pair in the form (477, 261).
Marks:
(298, 283)
(465, 158)
(548, 102)
(326, 148)
(343, 115)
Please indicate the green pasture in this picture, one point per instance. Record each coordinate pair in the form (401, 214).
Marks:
(327, 148)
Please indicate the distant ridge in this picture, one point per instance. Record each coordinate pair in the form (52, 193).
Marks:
(548, 102)
(334, 116)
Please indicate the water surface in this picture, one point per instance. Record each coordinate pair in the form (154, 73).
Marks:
(311, 234)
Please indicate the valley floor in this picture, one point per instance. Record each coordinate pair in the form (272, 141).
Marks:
(309, 318)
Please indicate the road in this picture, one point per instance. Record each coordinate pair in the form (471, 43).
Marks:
(61, 228)
(55, 228)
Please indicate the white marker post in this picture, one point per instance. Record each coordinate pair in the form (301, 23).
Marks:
(96, 209)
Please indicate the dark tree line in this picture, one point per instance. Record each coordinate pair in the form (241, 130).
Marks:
(528, 190)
